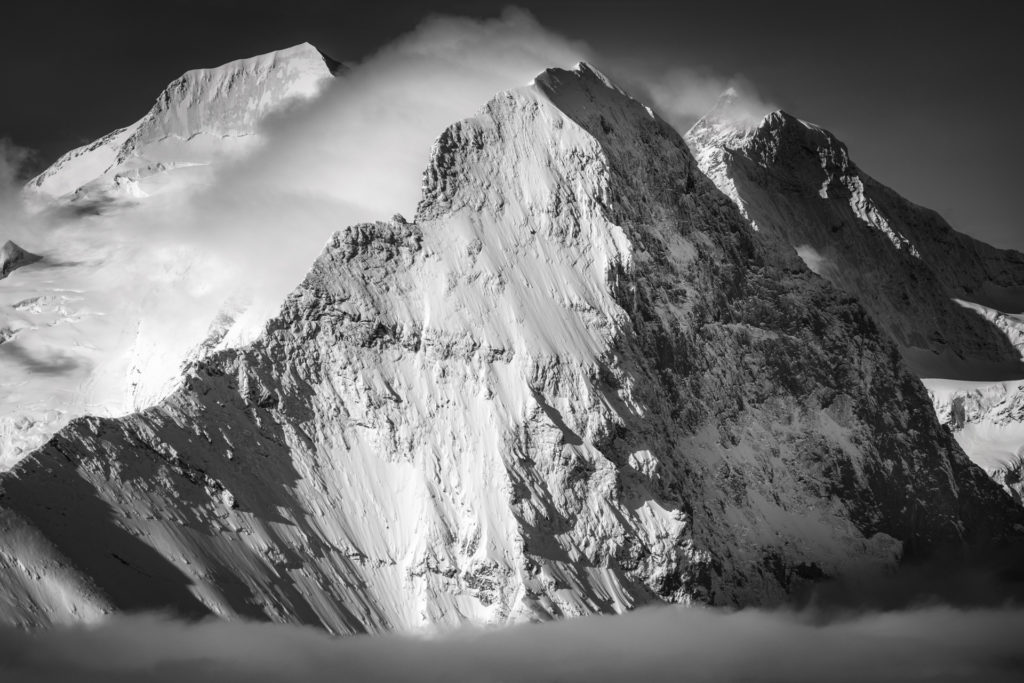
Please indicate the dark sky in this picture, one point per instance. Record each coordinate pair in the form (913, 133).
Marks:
(928, 95)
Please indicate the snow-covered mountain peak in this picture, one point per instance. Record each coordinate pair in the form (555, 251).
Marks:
(796, 183)
(730, 120)
(585, 89)
(232, 99)
(727, 125)
(589, 71)
(199, 117)
(560, 108)
(783, 137)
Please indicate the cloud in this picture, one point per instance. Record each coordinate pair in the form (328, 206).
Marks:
(48, 363)
(682, 95)
(654, 644)
(13, 160)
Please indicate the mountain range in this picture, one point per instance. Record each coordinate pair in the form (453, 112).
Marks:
(605, 364)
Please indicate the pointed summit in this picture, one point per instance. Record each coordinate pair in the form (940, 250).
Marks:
(730, 121)
(13, 257)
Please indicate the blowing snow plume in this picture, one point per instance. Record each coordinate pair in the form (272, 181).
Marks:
(658, 644)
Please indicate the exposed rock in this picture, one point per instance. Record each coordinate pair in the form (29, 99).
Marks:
(13, 257)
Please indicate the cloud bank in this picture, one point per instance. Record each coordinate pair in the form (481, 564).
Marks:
(654, 644)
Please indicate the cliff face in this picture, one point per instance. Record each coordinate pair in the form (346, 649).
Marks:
(797, 186)
(574, 383)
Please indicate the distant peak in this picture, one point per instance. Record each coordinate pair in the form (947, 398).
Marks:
(735, 115)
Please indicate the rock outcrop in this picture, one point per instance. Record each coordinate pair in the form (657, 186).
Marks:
(13, 257)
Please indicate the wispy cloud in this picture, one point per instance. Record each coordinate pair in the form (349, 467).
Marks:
(50, 363)
(683, 95)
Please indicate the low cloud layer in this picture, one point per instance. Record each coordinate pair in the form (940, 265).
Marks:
(655, 644)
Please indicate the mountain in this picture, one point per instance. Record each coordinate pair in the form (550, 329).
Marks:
(949, 301)
(576, 382)
(797, 186)
(203, 116)
(105, 325)
(13, 257)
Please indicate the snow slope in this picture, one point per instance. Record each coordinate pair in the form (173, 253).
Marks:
(103, 324)
(574, 383)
